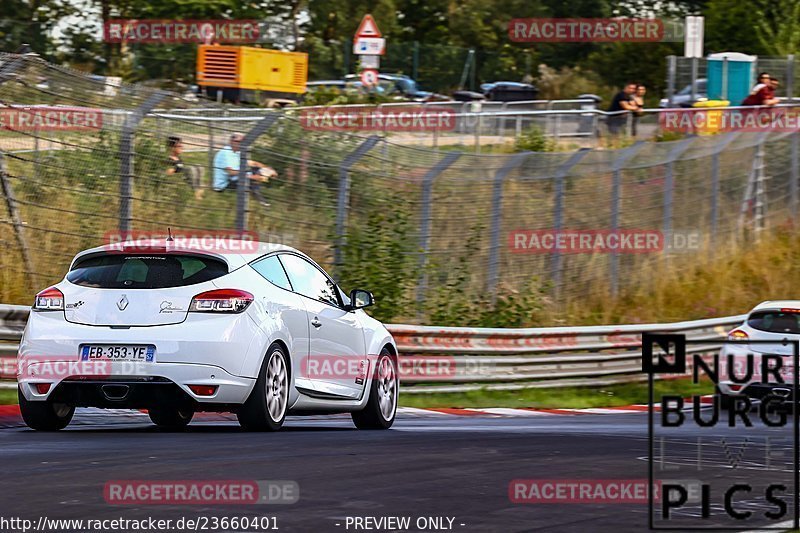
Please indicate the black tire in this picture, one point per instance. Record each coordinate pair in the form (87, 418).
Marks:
(171, 417)
(44, 416)
(265, 408)
(378, 414)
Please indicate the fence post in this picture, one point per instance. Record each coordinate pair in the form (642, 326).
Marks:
(512, 163)
(126, 153)
(425, 221)
(715, 184)
(243, 181)
(616, 186)
(754, 190)
(558, 210)
(669, 183)
(793, 175)
(211, 148)
(343, 203)
(790, 77)
(672, 70)
(16, 221)
(694, 78)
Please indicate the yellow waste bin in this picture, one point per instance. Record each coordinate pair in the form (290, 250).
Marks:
(709, 122)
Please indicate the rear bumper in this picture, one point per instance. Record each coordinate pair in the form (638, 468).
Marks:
(203, 338)
(151, 384)
(203, 350)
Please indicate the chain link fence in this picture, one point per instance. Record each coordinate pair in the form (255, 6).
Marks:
(421, 226)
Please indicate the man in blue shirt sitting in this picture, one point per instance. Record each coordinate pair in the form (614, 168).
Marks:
(226, 169)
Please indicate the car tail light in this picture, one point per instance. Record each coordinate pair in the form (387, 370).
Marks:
(737, 335)
(203, 390)
(221, 301)
(50, 299)
(42, 388)
(735, 388)
(789, 310)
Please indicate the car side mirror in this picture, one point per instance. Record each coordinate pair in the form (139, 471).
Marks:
(360, 298)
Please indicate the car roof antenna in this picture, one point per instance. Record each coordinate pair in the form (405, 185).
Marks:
(169, 235)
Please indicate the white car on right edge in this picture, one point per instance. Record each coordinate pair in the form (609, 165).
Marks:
(776, 320)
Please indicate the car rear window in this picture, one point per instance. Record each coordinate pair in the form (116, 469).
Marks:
(775, 321)
(119, 271)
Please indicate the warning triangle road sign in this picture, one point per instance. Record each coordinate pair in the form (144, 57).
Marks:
(368, 27)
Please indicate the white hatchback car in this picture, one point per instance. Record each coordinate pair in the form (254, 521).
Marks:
(772, 324)
(175, 330)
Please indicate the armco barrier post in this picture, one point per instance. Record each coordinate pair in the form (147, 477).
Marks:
(497, 216)
(243, 185)
(343, 202)
(558, 210)
(425, 221)
(126, 154)
(616, 186)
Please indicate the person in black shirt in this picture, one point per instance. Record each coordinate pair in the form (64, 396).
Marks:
(622, 101)
(175, 165)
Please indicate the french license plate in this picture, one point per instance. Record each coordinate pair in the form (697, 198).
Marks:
(118, 352)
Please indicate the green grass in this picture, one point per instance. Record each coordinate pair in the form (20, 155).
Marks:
(8, 396)
(568, 397)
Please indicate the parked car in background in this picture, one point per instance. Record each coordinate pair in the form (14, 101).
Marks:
(509, 91)
(683, 98)
(402, 86)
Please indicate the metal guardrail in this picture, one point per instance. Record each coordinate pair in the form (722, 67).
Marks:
(452, 359)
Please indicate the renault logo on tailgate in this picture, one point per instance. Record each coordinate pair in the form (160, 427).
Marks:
(122, 303)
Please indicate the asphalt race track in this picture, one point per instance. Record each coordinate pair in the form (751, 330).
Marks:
(427, 466)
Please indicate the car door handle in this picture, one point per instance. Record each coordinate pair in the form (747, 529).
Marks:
(316, 323)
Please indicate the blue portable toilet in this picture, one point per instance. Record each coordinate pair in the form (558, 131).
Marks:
(731, 76)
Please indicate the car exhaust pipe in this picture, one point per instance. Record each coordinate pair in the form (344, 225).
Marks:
(114, 392)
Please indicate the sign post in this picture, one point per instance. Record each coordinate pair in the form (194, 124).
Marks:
(693, 46)
(369, 45)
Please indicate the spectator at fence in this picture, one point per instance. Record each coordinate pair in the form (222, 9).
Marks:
(762, 93)
(622, 101)
(638, 101)
(774, 83)
(226, 169)
(175, 166)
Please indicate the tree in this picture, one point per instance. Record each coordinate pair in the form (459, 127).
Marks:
(729, 27)
(778, 27)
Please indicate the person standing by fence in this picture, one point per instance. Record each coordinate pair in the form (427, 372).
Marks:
(622, 101)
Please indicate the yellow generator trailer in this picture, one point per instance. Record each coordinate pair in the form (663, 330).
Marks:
(251, 75)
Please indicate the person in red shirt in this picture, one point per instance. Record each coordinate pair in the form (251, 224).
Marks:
(763, 92)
